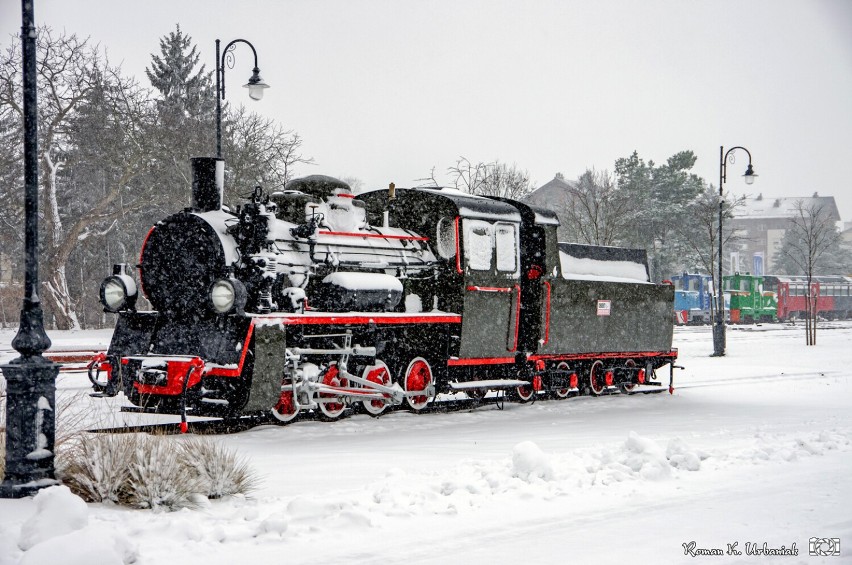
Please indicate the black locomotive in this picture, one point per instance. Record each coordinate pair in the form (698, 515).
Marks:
(313, 299)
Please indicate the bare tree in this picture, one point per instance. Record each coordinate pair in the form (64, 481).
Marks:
(490, 179)
(77, 87)
(812, 232)
(428, 182)
(259, 151)
(699, 231)
(594, 210)
(103, 150)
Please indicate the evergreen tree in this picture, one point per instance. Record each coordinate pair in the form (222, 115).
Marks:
(660, 196)
(185, 92)
(186, 105)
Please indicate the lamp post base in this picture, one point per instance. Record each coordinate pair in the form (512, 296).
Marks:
(30, 429)
(719, 339)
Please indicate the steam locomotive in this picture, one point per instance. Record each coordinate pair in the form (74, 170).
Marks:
(314, 300)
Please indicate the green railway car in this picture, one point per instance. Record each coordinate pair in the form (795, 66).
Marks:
(750, 303)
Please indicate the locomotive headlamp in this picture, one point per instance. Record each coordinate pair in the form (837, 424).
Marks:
(118, 293)
(227, 295)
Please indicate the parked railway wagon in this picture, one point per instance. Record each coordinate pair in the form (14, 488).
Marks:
(313, 299)
(833, 295)
(693, 297)
(750, 301)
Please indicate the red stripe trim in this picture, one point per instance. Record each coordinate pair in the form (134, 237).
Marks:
(316, 320)
(517, 318)
(360, 319)
(617, 355)
(375, 235)
(458, 252)
(344, 195)
(547, 314)
(490, 288)
(480, 361)
(222, 371)
(141, 251)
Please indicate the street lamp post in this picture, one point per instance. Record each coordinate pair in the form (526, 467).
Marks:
(749, 176)
(255, 84)
(30, 378)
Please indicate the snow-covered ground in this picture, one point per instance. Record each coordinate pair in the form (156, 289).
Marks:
(754, 448)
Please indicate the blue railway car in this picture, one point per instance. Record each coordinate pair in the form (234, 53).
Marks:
(693, 296)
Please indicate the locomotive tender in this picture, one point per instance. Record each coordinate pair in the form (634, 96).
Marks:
(313, 299)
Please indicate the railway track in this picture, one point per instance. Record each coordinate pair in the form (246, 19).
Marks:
(243, 423)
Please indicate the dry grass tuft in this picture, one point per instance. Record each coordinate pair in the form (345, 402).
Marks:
(151, 471)
(95, 467)
(136, 470)
(158, 477)
(221, 471)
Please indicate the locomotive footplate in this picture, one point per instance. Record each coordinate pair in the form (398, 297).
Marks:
(489, 384)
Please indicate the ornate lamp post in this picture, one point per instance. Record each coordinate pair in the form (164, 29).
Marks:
(749, 176)
(30, 378)
(255, 84)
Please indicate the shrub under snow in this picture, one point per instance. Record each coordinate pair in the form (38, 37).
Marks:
(158, 476)
(151, 471)
(95, 467)
(221, 472)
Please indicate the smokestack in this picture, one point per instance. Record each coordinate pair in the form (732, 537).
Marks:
(208, 183)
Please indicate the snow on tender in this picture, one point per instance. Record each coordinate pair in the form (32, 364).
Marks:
(578, 268)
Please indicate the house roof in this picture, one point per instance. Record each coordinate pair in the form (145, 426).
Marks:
(549, 193)
(759, 207)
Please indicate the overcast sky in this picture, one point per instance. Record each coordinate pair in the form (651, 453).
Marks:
(386, 90)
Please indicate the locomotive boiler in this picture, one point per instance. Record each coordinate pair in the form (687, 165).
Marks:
(312, 299)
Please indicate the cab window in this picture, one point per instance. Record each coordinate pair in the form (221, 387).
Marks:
(506, 239)
(479, 244)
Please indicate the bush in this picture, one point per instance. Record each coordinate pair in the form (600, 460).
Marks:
(158, 476)
(96, 467)
(220, 471)
(151, 471)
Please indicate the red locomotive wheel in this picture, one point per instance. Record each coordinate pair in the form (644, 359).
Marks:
(596, 378)
(332, 410)
(523, 393)
(285, 411)
(380, 374)
(418, 377)
(561, 393)
(628, 387)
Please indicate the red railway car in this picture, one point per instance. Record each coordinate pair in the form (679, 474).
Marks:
(833, 295)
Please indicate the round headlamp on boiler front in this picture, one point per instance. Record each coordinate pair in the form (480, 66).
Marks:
(227, 295)
(118, 293)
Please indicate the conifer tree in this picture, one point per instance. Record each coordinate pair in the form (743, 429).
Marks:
(185, 105)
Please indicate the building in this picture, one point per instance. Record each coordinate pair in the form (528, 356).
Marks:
(761, 224)
(553, 195)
